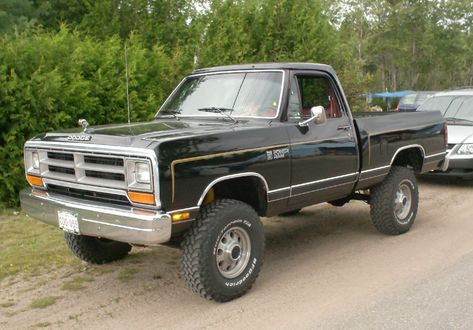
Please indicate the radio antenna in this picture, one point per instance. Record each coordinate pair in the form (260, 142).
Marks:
(127, 86)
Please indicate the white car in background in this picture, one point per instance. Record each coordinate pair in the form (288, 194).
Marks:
(457, 108)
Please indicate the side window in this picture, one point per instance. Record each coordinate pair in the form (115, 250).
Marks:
(314, 91)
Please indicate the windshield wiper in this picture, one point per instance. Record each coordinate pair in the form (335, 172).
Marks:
(222, 111)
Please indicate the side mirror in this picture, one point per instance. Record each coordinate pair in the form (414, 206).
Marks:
(318, 116)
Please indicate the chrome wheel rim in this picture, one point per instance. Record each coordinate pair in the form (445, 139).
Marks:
(403, 202)
(233, 252)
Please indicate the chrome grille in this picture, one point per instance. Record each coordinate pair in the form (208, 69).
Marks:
(96, 172)
(88, 169)
(90, 195)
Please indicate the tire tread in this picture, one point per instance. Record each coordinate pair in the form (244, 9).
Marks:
(381, 200)
(192, 270)
(92, 250)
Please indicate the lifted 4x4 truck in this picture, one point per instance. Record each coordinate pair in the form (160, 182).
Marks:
(230, 145)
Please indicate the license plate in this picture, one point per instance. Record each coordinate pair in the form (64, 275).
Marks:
(68, 222)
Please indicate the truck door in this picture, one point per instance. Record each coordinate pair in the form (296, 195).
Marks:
(324, 157)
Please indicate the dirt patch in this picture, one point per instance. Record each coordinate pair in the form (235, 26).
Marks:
(320, 265)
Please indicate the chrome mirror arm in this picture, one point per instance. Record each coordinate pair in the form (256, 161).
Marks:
(317, 115)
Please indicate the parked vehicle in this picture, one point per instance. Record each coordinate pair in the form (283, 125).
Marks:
(412, 101)
(457, 108)
(230, 145)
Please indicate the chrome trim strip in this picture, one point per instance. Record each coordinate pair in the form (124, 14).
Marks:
(408, 147)
(278, 190)
(100, 148)
(232, 176)
(283, 81)
(436, 155)
(376, 169)
(325, 188)
(184, 210)
(323, 180)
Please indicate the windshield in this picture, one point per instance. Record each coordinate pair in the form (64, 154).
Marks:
(440, 103)
(408, 99)
(247, 94)
(465, 112)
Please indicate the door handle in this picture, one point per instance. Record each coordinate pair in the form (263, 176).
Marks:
(344, 128)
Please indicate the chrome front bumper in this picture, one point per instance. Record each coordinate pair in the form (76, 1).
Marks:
(119, 223)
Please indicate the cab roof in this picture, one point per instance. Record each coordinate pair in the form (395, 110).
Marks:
(268, 66)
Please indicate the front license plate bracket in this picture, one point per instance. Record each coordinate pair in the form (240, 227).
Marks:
(68, 221)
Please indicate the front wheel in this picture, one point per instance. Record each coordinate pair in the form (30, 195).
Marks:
(394, 202)
(96, 250)
(223, 250)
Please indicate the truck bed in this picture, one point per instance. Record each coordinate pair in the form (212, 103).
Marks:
(381, 137)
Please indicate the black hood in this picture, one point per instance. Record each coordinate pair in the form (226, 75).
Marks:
(141, 135)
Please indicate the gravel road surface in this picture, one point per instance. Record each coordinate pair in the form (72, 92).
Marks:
(325, 268)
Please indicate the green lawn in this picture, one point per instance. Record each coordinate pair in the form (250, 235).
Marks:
(28, 246)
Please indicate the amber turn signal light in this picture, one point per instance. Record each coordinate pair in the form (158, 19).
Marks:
(35, 180)
(181, 216)
(142, 198)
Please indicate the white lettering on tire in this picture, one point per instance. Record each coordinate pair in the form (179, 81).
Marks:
(244, 278)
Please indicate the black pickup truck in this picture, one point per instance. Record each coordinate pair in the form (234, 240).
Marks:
(230, 145)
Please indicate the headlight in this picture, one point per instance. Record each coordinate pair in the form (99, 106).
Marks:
(142, 173)
(465, 149)
(139, 175)
(32, 161)
(35, 159)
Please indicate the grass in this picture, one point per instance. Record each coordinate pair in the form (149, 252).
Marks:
(28, 246)
(7, 304)
(77, 283)
(126, 274)
(41, 325)
(75, 317)
(43, 302)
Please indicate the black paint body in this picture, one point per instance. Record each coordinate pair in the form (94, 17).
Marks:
(322, 162)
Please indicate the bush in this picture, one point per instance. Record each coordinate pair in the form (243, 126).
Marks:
(51, 79)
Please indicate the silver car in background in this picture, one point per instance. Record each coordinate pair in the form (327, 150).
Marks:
(412, 101)
(457, 108)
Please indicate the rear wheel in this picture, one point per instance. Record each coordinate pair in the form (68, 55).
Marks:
(96, 250)
(223, 250)
(394, 202)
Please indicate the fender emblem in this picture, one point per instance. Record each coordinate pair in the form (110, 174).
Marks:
(79, 138)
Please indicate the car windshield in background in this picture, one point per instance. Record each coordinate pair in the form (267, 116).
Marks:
(408, 99)
(247, 94)
(464, 114)
(440, 103)
(456, 109)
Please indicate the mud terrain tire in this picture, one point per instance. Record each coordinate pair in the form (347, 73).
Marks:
(96, 250)
(223, 250)
(394, 202)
